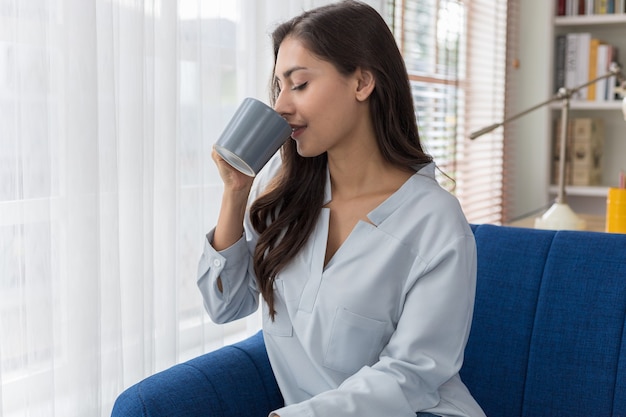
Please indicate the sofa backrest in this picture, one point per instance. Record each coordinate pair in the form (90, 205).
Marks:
(549, 329)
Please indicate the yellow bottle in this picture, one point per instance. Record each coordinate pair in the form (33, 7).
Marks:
(616, 210)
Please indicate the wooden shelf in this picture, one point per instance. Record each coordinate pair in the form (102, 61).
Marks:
(590, 20)
(590, 105)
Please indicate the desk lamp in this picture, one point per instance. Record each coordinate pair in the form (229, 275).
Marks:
(560, 215)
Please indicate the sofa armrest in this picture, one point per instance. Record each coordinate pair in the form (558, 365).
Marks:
(233, 381)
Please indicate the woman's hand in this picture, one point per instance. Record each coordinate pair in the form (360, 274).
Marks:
(237, 185)
(234, 180)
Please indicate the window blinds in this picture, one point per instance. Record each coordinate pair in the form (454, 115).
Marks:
(455, 52)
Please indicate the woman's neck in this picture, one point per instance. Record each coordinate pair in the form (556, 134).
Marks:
(364, 172)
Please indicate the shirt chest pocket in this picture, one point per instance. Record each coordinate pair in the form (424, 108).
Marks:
(355, 341)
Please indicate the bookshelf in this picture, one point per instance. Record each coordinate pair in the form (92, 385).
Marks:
(611, 29)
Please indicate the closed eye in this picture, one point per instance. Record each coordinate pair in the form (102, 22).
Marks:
(299, 86)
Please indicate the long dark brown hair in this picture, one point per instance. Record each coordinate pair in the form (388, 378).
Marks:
(350, 35)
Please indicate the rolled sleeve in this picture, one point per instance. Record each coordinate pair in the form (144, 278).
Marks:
(238, 297)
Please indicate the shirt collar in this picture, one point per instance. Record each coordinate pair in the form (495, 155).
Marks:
(388, 206)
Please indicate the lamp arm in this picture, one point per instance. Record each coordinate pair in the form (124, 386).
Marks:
(494, 126)
(614, 70)
(564, 95)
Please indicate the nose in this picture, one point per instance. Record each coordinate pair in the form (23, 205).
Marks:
(282, 104)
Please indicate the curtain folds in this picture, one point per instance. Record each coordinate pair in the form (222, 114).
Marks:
(108, 111)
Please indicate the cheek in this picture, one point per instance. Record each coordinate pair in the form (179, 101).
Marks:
(337, 108)
(341, 117)
(331, 112)
(334, 97)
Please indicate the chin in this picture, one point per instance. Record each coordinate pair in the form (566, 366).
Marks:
(308, 151)
(303, 151)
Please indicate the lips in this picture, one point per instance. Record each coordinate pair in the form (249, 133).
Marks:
(297, 130)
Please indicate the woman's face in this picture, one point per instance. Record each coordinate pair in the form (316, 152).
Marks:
(319, 103)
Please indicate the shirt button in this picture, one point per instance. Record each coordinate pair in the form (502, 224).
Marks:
(217, 262)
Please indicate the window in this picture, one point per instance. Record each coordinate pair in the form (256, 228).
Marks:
(455, 55)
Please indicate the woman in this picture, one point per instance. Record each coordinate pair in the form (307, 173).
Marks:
(366, 265)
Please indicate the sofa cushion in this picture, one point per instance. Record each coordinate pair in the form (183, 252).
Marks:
(578, 336)
(510, 267)
(548, 336)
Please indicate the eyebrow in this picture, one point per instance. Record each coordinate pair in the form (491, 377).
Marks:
(290, 71)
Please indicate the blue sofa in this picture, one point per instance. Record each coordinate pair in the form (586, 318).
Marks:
(548, 338)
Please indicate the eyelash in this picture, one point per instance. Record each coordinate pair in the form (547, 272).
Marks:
(299, 86)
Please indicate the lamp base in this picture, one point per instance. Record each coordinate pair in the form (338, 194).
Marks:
(560, 217)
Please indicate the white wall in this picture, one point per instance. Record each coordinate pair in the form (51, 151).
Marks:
(532, 86)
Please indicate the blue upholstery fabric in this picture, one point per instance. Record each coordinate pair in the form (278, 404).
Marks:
(578, 333)
(549, 330)
(548, 338)
(234, 381)
(619, 403)
(510, 267)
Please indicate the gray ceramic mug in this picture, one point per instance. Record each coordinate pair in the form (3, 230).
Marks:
(252, 136)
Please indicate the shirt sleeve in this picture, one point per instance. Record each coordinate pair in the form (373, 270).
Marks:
(425, 351)
(239, 296)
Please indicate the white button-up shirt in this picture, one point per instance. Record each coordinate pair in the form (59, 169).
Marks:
(381, 329)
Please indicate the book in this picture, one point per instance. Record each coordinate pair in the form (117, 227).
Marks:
(602, 68)
(584, 152)
(582, 67)
(570, 7)
(612, 81)
(610, 6)
(588, 146)
(593, 68)
(559, 62)
(571, 50)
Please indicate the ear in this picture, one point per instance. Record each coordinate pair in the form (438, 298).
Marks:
(365, 84)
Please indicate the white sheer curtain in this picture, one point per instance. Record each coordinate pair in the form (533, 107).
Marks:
(108, 111)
